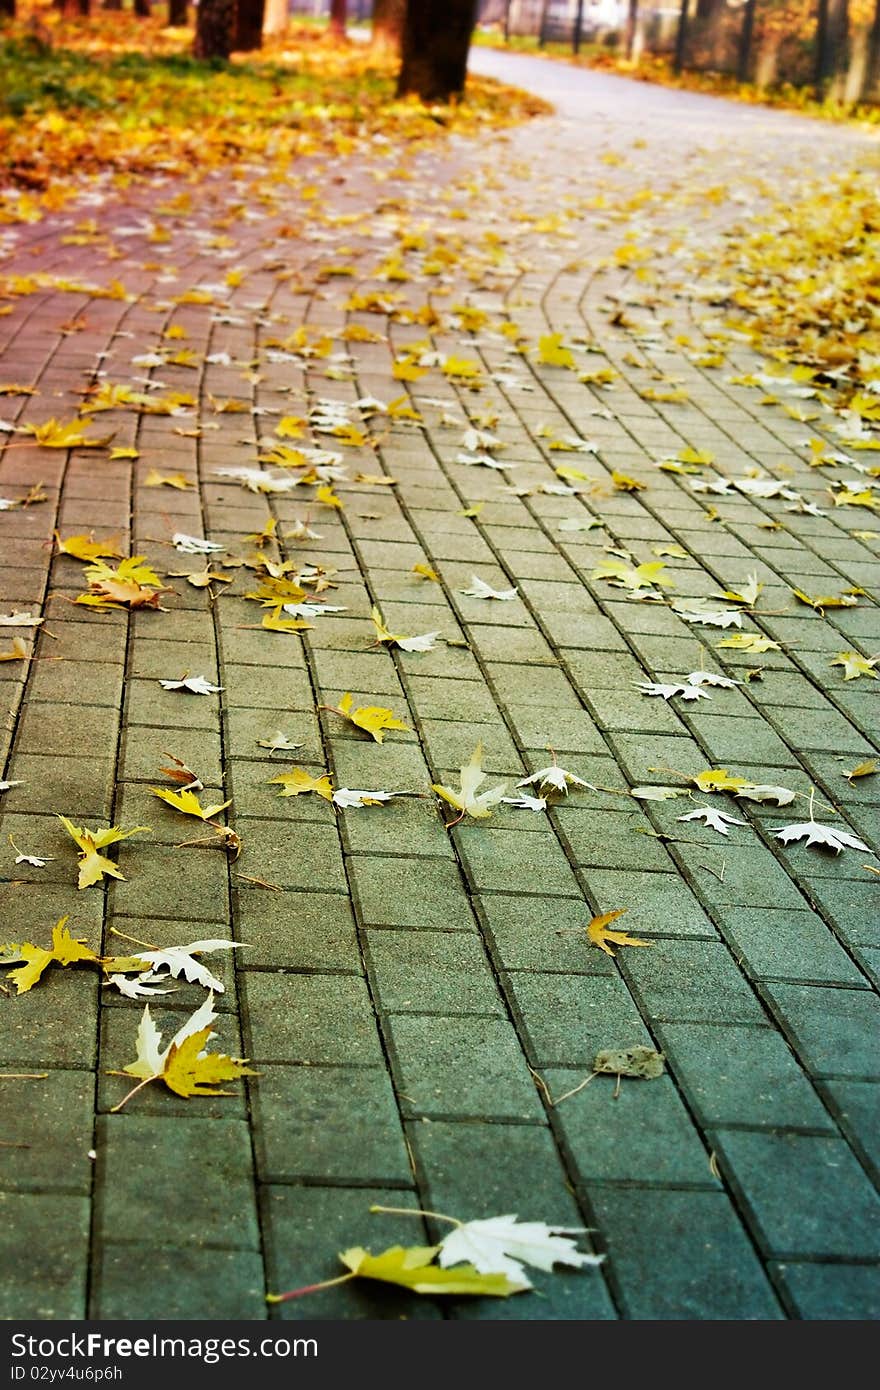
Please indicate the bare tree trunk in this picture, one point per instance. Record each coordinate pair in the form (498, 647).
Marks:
(177, 13)
(632, 17)
(275, 17)
(338, 17)
(436, 40)
(248, 32)
(214, 29)
(7, 8)
(112, 5)
(388, 20)
(872, 75)
(142, 9)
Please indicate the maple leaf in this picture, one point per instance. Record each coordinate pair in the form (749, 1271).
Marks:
(425, 642)
(822, 601)
(827, 836)
(373, 719)
(718, 779)
(193, 545)
(716, 820)
(749, 642)
(597, 931)
(723, 617)
(502, 1245)
(185, 1066)
(280, 743)
(19, 620)
(55, 435)
(86, 548)
(710, 678)
(196, 685)
(187, 802)
(552, 353)
(65, 950)
(132, 583)
(747, 595)
(348, 798)
(298, 780)
(480, 589)
(176, 480)
(190, 780)
(554, 779)
(855, 665)
(657, 793)
(17, 652)
(412, 1268)
(626, 484)
(426, 572)
(762, 792)
(466, 800)
(92, 865)
(525, 803)
(625, 576)
(177, 960)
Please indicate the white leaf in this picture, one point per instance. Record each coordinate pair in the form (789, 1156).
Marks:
(178, 960)
(485, 460)
(301, 532)
(709, 678)
(716, 820)
(193, 545)
(474, 439)
(426, 642)
(346, 797)
(19, 620)
(723, 617)
(574, 523)
(815, 834)
(687, 692)
(136, 988)
(202, 1018)
(760, 791)
(526, 803)
(480, 589)
(311, 610)
(34, 860)
(5, 786)
(657, 793)
(466, 799)
(196, 685)
(279, 742)
(149, 1059)
(502, 1245)
(555, 779)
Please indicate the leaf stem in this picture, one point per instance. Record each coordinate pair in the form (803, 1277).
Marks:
(133, 1092)
(417, 1211)
(309, 1288)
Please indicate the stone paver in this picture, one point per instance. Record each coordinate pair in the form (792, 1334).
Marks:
(418, 1001)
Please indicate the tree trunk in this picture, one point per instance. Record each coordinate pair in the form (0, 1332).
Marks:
(436, 40)
(388, 19)
(7, 8)
(177, 13)
(248, 33)
(214, 29)
(338, 17)
(112, 5)
(275, 17)
(872, 75)
(142, 9)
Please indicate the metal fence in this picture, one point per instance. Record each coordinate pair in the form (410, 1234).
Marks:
(829, 46)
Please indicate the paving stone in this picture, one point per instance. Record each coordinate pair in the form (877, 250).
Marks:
(787, 945)
(710, 1270)
(305, 1117)
(183, 1285)
(401, 892)
(855, 1104)
(830, 1029)
(464, 1067)
(309, 1019)
(431, 972)
(299, 930)
(60, 1104)
(690, 981)
(566, 1021)
(504, 859)
(50, 1283)
(831, 1292)
(806, 1193)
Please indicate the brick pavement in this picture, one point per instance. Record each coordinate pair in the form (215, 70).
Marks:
(403, 986)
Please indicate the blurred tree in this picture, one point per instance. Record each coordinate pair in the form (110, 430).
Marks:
(436, 40)
(177, 13)
(388, 18)
(143, 9)
(7, 8)
(248, 32)
(276, 16)
(214, 29)
(338, 17)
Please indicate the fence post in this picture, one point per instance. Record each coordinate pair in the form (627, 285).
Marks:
(578, 21)
(745, 42)
(681, 36)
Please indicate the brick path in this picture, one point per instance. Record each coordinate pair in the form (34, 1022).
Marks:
(404, 983)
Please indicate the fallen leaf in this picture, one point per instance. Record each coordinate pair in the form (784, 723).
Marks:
(597, 931)
(749, 642)
(657, 793)
(194, 545)
(92, 865)
(502, 1245)
(65, 950)
(716, 820)
(426, 572)
(373, 719)
(55, 435)
(466, 800)
(424, 642)
(865, 769)
(348, 799)
(280, 743)
(185, 1066)
(763, 792)
(85, 548)
(188, 803)
(554, 779)
(177, 480)
(480, 589)
(196, 685)
(855, 665)
(827, 836)
(644, 1062)
(412, 1268)
(17, 652)
(823, 601)
(298, 780)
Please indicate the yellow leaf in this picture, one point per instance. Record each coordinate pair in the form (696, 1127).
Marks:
(426, 572)
(326, 495)
(552, 353)
(597, 931)
(826, 600)
(64, 951)
(290, 427)
(718, 779)
(123, 453)
(749, 642)
(297, 781)
(373, 719)
(674, 551)
(413, 1269)
(855, 665)
(179, 480)
(17, 652)
(54, 435)
(273, 622)
(84, 548)
(625, 484)
(702, 458)
(188, 803)
(865, 769)
(574, 475)
(188, 1071)
(407, 371)
(461, 368)
(92, 865)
